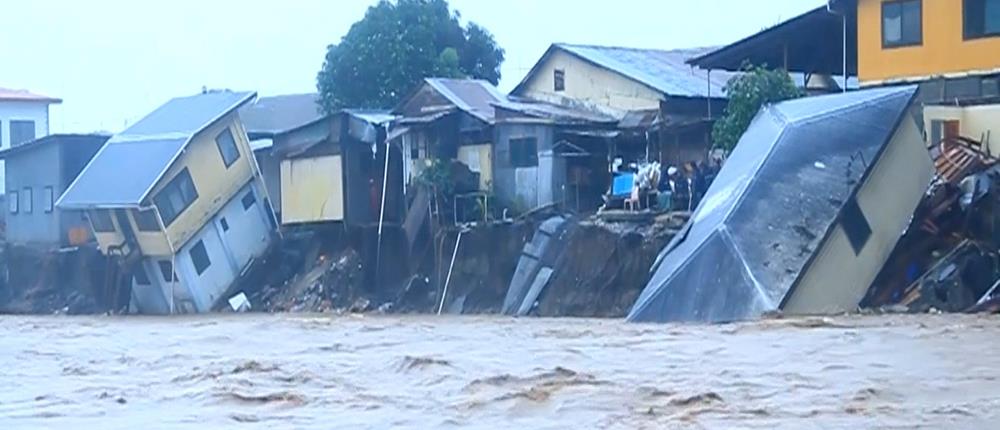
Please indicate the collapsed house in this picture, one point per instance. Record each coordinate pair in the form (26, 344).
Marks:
(814, 186)
(177, 203)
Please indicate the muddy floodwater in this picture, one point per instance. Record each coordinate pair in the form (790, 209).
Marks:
(323, 372)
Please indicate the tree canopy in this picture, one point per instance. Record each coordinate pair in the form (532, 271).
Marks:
(747, 92)
(397, 44)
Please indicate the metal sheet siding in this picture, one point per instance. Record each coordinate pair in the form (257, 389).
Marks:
(312, 190)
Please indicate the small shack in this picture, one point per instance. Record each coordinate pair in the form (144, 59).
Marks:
(803, 214)
(332, 170)
(38, 172)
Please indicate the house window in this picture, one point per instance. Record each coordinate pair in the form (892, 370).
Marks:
(224, 224)
(559, 80)
(47, 200)
(901, 23)
(855, 225)
(227, 147)
(200, 257)
(524, 152)
(12, 202)
(101, 221)
(175, 197)
(248, 201)
(937, 131)
(21, 131)
(27, 206)
(145, 220)
(166, 269)
(981, 18)
(140, 276)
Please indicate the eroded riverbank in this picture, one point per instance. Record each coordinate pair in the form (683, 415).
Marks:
(295, 371)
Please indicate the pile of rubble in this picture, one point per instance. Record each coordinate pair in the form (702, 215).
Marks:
(948, 261)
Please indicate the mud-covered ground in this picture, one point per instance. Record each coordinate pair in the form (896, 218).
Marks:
(320, 371)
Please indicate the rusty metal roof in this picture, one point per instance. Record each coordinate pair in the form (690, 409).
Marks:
(473, 96)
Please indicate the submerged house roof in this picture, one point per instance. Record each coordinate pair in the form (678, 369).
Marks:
(665, 71)
(125, 170)
(475, 97)
(268, 116)
(772, 206)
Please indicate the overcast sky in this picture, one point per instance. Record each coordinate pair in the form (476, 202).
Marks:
(113, 61)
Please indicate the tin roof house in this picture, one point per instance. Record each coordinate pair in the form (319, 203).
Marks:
(176, 198)
(38, 171)
(803, 214)
(666, 107)
(332, 170)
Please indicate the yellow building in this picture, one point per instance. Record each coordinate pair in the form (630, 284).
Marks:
(174, 196)
(950, 47)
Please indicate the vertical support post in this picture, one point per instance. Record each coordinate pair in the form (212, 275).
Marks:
(381, 214)
(843, 19)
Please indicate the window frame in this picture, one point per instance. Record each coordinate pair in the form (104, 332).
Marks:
(198, 251)
(226, 132)
(165, 205)
(142, 223)
(13, 202)
(966, 34)
(11, 126)
(48, 200)
(99, 226)
(29, 195)
(248, 200)
(516, 152)
(856, 226)
(559, 80)
(166, 269)
(144, 281)
(903, 43)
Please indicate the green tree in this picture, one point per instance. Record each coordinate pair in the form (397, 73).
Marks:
(748, 92)
(395, 46)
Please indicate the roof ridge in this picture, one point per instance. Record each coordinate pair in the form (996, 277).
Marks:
(632, 48)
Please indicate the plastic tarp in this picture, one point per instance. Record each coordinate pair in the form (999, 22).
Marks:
(782, 188)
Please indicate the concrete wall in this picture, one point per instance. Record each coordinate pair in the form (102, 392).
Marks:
(887, 200)
(37, 170)
(944, 49)
(976, 122)
(590, 84)
(21, 110)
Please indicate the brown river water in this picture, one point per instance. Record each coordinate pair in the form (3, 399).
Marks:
(324, 372)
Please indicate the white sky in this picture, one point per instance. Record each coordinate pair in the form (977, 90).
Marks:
(113, 61)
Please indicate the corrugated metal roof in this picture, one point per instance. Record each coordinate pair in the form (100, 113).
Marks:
(473, 96)
(376, 117)
(662, 70)
(128, 166)
(54, 138)
(268, 116)
(8, 94)
(555, 112)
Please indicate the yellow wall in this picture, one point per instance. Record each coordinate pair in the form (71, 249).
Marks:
(589, 83)
(975, 122)
(887, 199)
(106, 240)
(943, 52)
(312, 190)
(215, 183)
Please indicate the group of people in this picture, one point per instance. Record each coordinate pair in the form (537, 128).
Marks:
(682, 189)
